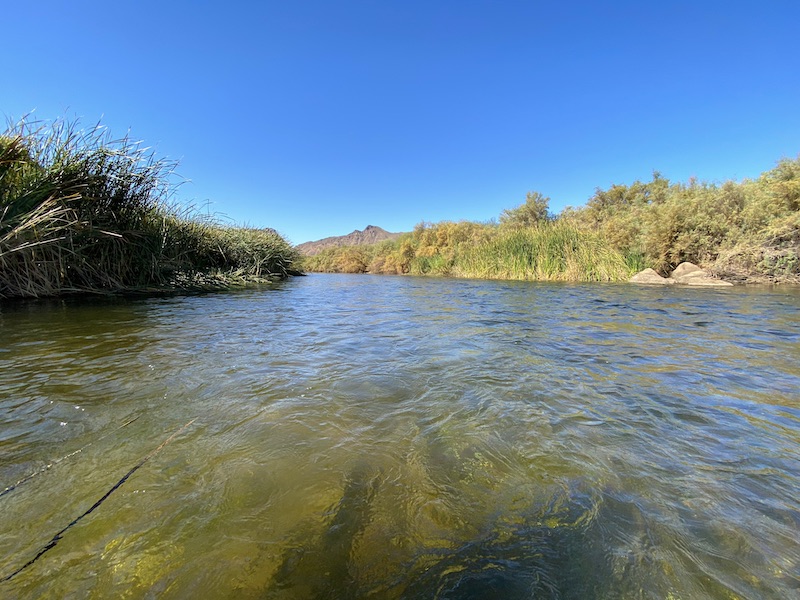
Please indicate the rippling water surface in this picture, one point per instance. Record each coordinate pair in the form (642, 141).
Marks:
(364, 436)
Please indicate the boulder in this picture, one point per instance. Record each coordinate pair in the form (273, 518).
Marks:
(690, 276)
(649, 276)
(687, 273)
(685, 268)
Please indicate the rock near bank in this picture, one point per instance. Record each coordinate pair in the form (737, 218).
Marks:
(685, 273)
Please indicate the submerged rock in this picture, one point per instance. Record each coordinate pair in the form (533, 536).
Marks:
(649, 276)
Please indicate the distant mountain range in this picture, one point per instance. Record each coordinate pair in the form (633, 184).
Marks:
(370, 235)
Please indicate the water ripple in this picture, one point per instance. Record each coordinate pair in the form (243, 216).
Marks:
(404, 438)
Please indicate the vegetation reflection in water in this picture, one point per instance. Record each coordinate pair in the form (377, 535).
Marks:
(405, 438)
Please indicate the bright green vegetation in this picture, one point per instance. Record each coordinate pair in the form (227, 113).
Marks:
(545, 252)
(747, 231)
(81, 212)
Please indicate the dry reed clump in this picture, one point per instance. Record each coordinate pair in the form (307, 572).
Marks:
(341, 259)
(773, 256)
(83, 212)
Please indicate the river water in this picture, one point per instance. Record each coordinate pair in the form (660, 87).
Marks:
(394, 437)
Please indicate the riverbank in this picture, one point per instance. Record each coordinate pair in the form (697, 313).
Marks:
(742, 232)
(81, 212)
(546, 251)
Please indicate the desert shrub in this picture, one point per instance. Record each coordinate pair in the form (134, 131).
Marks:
(535, 210)
(660, 225)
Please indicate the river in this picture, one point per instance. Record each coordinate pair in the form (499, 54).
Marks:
(341, 436)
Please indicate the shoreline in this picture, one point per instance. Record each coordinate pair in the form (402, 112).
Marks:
(185, 285)
(752, 282)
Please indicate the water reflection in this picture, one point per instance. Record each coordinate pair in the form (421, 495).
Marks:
(404, 438)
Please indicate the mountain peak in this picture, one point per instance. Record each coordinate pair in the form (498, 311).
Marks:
(370, 235)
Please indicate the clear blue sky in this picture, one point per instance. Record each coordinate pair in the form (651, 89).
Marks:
(318, 118)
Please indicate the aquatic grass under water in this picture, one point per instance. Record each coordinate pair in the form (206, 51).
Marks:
(83, 212)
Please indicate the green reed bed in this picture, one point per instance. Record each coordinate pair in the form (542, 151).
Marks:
(83, 212)
(548, 251)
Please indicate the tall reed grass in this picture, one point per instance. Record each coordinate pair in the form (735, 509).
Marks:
(548, 251)
(81, 211)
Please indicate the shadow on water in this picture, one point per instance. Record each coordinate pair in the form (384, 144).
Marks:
(556, 551)
(571, 542)
(557, 548)
(324, 569)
